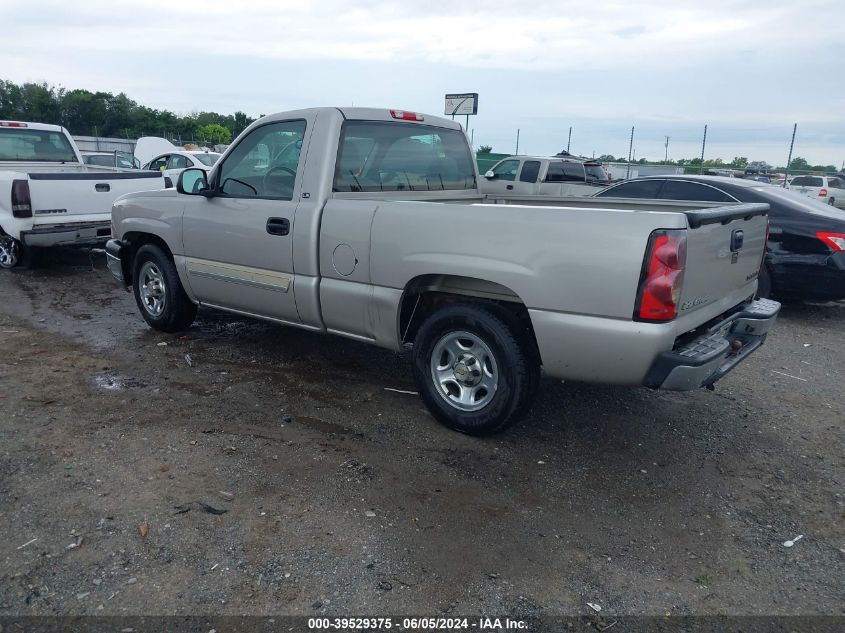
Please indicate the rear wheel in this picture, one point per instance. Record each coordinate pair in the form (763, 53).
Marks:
(158, 291)
(10, 252)
(15, 253)
(475, 372)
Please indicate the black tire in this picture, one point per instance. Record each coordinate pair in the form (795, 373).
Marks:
(764, 283)
(517, 367)
(177, 311)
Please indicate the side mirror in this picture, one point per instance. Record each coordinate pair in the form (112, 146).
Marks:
(490, 175)
(193, 182)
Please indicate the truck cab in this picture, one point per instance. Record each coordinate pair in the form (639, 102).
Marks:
(544, 176)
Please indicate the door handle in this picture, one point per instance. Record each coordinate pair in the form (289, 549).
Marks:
(102, 187)
(278, 226)
(509, 187)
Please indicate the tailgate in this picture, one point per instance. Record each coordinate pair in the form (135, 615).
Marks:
(56, 195)
(725, 247)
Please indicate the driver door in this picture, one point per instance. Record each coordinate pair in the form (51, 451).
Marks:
(239, 243)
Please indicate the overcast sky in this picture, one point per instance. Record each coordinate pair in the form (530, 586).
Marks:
(748, 69)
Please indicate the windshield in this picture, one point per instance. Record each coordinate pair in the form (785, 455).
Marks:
(207, 158)
(388, 156)
(35, 145)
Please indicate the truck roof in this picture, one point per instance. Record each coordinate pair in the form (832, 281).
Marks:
(563, 159)
(373, 114)
(44, 127)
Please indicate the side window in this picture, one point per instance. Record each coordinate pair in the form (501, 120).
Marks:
(564, 171)
(159, 163)
(835, 183)
(177, 162)
(814, 181)
(633, 189)
(798, 181)
(682, 190)
(264, 163)
(506, 170)
(530, 171)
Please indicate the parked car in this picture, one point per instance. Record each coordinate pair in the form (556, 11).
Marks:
(121, 160)
(828, 189)
(171, 164)
(374, 229)
(544, 176)
(49, 196)
(806, 250)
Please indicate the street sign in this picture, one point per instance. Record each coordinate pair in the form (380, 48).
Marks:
(466, 103)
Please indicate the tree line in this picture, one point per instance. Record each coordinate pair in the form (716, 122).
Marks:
(86, 113)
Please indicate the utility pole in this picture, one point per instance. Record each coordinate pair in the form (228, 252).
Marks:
(703, 143)
(666, 145)
(569, 142)
(789, 160)
(630, 149)
(517, 142)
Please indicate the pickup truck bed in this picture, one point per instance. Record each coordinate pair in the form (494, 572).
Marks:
(374, 229)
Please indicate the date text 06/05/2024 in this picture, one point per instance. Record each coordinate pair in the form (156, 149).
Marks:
(416, 624)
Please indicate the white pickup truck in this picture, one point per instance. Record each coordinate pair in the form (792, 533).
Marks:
(50, 197)
(369, 224)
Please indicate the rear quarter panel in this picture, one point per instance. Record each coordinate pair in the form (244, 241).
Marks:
(562, 259)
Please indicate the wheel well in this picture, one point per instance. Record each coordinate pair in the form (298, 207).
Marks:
(136, 240)
(425, 294)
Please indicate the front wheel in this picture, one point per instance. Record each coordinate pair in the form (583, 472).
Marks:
(474, 370)
(158, 291)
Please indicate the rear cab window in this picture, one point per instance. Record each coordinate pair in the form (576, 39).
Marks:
(394, 156)
(22, 144)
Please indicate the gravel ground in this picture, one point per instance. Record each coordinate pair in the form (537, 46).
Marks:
(245, 468)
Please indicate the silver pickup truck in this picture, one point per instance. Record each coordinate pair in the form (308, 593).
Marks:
(369, 224)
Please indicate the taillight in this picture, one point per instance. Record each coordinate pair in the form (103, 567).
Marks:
(662, 276)
(835, 240)
(21, 200)
(406, 116)
(822, 193)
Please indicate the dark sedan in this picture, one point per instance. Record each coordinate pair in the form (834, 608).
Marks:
(805, 258)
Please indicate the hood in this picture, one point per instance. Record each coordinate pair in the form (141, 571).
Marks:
(148, 147)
